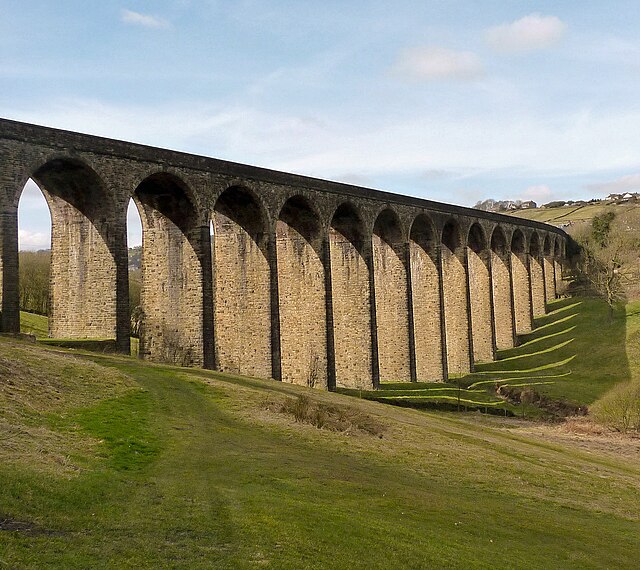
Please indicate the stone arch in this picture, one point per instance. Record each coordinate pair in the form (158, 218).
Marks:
(301, 294)
(521, 283)
(88, 283)
(549, 269)
(478, 260)
(425, 297)
(536, 272)
(391, 292)
(174, 251)
(456, 298)
(242, 284)
(501, 290)
(351, 299)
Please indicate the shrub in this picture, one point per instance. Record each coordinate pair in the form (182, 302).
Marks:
(619, 408)
(343, 419)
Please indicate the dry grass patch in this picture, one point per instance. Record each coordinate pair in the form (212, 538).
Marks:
(343, 419)
(37, 389)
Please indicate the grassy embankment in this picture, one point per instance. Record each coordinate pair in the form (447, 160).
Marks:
(575, 354)
(110, 462)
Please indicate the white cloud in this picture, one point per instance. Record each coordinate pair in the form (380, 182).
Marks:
(437, 63)
(533, 32)
(627, 183)
(144, 20)
(527, 145)
(538, 193)
(29, 240)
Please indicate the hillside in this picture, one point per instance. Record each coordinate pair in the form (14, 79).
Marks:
(153, 466)
(565, 216)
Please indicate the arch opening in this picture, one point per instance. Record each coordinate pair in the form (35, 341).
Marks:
(351, 300)
(171, 298)
(34, 260)
(301, 294)
(501, 290)
(480, 294)
(425, 296)
(241, 284)
(456, 299)
(391, 298)
(87, 254)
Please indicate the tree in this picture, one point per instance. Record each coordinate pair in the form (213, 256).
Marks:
(608, 249)
(34, 281)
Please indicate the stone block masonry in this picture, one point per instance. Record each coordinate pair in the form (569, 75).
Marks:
(270, 274)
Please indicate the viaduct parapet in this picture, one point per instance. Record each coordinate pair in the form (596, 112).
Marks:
(269, 274)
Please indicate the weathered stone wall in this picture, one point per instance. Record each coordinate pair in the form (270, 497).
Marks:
(392, 311)
(537, 285)
(481, 302)
(318, 291)
(301, 292)
(521, 293)
(502, 295)
(82, 271)
(242, 317)
(549, 279)
(426, 296)
(456, 300)
(351, 303)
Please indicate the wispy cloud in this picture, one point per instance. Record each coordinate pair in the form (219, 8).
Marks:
(144, 20)
(533, 32)
(29, 240)
(438, 63)
(627, 183)
(539, 193)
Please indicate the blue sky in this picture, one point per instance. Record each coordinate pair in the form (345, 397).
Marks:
(450, 100)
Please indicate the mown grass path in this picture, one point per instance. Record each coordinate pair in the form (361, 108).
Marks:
(193, 474)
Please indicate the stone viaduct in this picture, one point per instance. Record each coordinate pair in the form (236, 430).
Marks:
(269, 274)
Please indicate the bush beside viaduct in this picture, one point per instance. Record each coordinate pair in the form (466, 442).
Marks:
(268, 274)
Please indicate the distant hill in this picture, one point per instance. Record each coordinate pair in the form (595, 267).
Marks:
(566, 216)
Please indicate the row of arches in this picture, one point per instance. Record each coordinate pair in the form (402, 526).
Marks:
(303, 300)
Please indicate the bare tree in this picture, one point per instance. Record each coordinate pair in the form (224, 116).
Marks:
(608, 250)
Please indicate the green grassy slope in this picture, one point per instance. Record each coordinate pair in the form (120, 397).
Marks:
(190, 469)
(31, 323)
(575, 353)
(566, 214)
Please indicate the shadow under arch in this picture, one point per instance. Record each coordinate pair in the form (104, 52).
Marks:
(480, 299)
(456, 299)
(426, 305)
(351, 300)
(501, 290)
(88, 278)
(173, 322)
(301, 294)
(521, 282)
(242, 285)
(536, 272)
(389, 253)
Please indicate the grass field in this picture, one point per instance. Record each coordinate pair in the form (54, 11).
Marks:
(109, 462)
(567, 214)
(37, 325)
